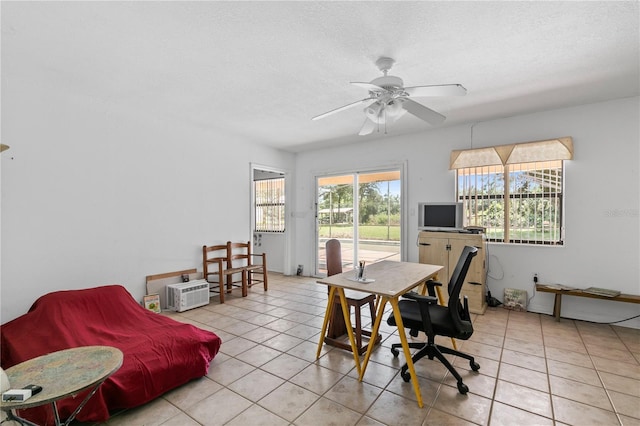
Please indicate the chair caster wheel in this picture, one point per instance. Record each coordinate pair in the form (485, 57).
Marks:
(395, 352)
(462, 388)
(405, 376)
(474, 366)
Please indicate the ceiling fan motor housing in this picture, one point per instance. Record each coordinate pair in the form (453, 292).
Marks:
(388, 82)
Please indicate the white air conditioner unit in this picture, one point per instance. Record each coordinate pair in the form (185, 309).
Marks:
(189, 295)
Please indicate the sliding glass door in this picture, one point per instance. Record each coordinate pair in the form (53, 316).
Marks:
(363, 211)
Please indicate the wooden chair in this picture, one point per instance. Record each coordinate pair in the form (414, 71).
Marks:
(240, 258)
(355, 299)
(215, 263)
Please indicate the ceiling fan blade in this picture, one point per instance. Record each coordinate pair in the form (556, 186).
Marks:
(437, 90)
(370, 87)
(367, 128)
(423, 113)
(366, 101)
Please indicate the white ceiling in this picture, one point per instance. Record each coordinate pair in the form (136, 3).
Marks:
(260, 70)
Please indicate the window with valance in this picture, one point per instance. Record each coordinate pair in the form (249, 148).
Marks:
(515, 191)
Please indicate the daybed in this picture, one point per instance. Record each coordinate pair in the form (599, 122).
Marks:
(159, 353)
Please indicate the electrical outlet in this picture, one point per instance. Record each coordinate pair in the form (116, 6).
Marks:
(535, 278)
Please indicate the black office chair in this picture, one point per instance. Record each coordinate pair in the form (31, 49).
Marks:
(422, 313)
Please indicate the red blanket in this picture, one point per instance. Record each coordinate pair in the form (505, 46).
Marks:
(159, 353)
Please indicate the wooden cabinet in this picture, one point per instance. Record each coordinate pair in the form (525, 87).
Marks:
(444, 248)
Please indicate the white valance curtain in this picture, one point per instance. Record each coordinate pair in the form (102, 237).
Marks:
(527, 152)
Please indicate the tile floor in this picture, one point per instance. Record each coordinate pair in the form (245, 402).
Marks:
(534, 371)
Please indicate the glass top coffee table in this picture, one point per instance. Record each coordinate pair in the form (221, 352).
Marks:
(62, 374)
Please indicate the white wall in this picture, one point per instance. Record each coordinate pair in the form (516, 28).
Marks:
(96, 193)
(602, 201)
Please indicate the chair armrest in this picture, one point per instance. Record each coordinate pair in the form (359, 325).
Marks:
(431, 285)
(423, 305)
(431, 300)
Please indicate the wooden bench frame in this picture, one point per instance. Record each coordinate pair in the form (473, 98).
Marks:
(557, 303)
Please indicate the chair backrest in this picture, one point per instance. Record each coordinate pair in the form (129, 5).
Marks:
(214, 253)
(214, 259)
(238, 254)
(455, 285)
(333, 253)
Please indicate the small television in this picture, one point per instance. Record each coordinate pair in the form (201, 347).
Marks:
(440, 216)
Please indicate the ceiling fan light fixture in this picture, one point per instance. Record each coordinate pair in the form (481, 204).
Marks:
(394, 108)
(375, 112)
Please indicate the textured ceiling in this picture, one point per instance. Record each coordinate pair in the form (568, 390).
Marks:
(260, 70)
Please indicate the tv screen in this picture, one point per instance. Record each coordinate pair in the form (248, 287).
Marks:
(440, 216)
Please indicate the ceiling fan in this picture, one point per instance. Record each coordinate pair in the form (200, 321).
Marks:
(389, 99)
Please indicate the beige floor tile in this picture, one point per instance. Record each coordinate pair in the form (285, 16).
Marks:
(613, 354)
(568, 356)
(353, 394)
(524, 346)
(338, 360)
(613, 342)
(236, 346)
(392, 409)
(530, 336)
(580, 392)
(190, 393)
(488, 367)
(154, 413)
(430, 369)
(428, 389)
(440, 418)
(486, 338)
(524, 377)
(506, 415)
(218, 408)
(285, 366)
(532, 362)
(631, 370)
(307, 350)
(316, 378)
(229, 371)
(368, 421)
(382, 354)
(257, 416)
(258, 355)
(180, 420)
(281, 325)
(524, 398)
(302, 331)
(255, 385)
(628, 421)
(576, 413)
(480, 349)
(260, 319)
(376, 374)
(299, 317)
(260, 334)
(283, 342)
(224, 321)
(565, 344)
(478, 383)
(574, 372)
(621, 384)
(326, 412)
(626, 404)
(289, 401)
(470, 407)
(496, 328)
